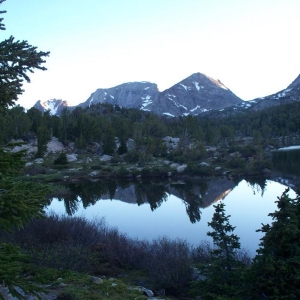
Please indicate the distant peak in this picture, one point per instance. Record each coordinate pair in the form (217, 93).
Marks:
(294, 83)
(200, 76)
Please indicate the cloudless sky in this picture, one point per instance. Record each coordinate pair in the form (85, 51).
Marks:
(252, 46)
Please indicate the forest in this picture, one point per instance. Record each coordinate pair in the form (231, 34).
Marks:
(103, 123)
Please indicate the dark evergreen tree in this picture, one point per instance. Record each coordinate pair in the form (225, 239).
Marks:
(36, 118)
(17, 58)
(43, 138)
(275, 272)
(108, 141)
(62, 159)
(223, 273)
(122, 148)
(19, 201)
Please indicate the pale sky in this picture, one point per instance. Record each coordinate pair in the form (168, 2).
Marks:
(252, 46)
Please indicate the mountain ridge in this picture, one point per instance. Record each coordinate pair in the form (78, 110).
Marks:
(194, 95)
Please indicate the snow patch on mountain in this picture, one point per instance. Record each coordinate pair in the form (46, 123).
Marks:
(193, 109)
(168, 114)
(49, 105)
(92, 99)
(146, 101)
(184, 86)
(197, 86)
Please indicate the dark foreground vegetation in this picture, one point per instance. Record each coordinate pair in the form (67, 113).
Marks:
(169, 267)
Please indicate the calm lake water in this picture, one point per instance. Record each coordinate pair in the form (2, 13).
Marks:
(176, 209)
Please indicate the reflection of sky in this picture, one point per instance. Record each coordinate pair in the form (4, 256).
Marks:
(248, 209)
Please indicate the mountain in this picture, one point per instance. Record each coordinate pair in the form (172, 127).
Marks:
(55, 106)
(285, 96)
(288, 95)
(129, 95)
(192, 96)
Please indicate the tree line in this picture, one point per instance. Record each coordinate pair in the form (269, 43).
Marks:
(102, 123)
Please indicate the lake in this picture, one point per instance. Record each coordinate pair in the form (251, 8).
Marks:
(176, 209)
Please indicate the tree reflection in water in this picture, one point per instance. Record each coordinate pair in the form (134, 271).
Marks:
(194, 194)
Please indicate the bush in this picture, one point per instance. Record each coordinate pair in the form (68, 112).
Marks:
(61, 159)
(169, 264)
(237, 163)
(131, 157)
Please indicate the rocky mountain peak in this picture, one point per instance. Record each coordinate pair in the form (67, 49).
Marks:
(55, 106)
(204, 80)
(194, 95)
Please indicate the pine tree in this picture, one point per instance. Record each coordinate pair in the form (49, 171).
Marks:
(62, 159)
(17, 58)
(122, 148)
(275, 271)
(19, 201)
(43, 138)
(223, 273)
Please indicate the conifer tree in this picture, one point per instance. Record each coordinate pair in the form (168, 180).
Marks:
(19, 201)
(223, 273)
(17, 59)
(275, 271)
(43, 138)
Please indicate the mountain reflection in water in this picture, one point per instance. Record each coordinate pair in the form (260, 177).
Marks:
(176, 209)
(194, 194)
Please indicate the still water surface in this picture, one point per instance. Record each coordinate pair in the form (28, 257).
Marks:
(175, 209)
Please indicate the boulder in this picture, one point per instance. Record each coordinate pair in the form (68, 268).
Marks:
(174, 165)
(71, 157)
(39, 161)
(105, 157)
(96, 280)
(55, 146)
(210, 149)
(181, 168)
(93, 174)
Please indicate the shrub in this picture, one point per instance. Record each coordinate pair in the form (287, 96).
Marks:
(237, 163)
(131, 157)
(61, 159)
(168, 264)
